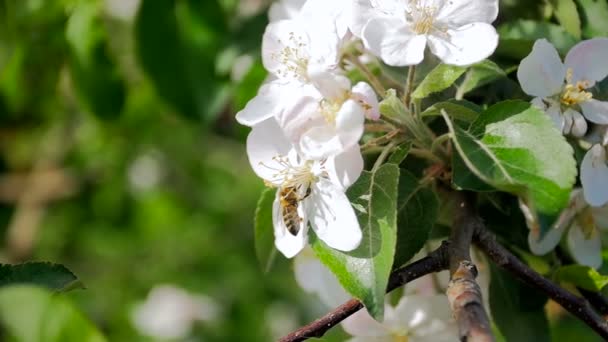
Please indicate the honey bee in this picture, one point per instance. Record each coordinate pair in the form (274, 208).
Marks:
(289, 200)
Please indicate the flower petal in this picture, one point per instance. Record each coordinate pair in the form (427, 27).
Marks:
(331, 85)
(548, 242)
(595, 111)
(462, 45)
(600, 216)
(361, 324)
(594, 176)
(285, 242)
(349, 123)
(363, 11)
(284, 45)
(585, 250)
(345, 168)
(315, 278)
(320, 142)
(542, 72)
(588, 60)
(284, 9)
(555, 113)
(575, 123)
(264, 143)
(365, 95)
(458, 13)
(392, 41)
(272, 99)
(332, 216)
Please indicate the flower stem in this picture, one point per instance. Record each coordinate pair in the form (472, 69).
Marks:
(409, 85)
(373, 80)
(382, 157)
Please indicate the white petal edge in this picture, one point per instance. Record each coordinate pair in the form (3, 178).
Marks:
(594, 176)
(542, 72)
(585, 251)
(392, 41)
(332, 217)
(595, 111)
(266, 141)
(363, 93)
(458, 13)
(345, 168)
(463, 46)
(288, 244)
(588, 60)
(548, 242)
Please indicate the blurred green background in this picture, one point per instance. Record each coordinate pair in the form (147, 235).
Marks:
(120, 158)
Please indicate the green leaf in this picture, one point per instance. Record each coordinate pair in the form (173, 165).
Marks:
(459, 110)
(399, 155)
(417, 210)
(364, 272)
(176, 43)
(31, 314)
(464, 179)
(440, 78)
(52, 276)
(517, 309)
(264, 231)
(96, 78)
(521, 153)
(594, 14)
(481, 74)
(517, 37)
(582, 276)
(567, 16)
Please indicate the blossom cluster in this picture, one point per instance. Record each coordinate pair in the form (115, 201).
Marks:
(308, 118)
(564, 90)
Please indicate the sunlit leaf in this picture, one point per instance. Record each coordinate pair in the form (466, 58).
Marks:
(364, 272)
(52, 276)
(582, 276)
(440, 78)
(567, 15)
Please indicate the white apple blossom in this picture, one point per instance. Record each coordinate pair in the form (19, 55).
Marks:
(561, 89)
(285, 9)
(313, 277)
(459, 32)
(318, 184)
(594, 171)
(414, 319)
(169, 312)
(582, 223)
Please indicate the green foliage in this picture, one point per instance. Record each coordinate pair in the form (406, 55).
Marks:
(30, 314)
(594, 13)
(517, 37)
(264, 232)
(364, 272)
(582, 276)
(458, 110)
(566, 14)
(417, 210)
(480, 74)
(440, 78)
(52, 276)
(517, 309)
(95, 76)
(520, 152)
(177, 42)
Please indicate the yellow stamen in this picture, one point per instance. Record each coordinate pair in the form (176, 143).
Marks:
(574, 94)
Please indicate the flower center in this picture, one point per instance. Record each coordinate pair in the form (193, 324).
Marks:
(400, 338)
(422, 16)
(293, 58)
(586, 223)
(574, 94)
(289, 174)
(330, 107)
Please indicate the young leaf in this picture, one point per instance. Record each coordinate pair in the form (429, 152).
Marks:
(95, 76)
(567, 15)
(458, 110)
(364, 272)
(264, 231)
(417, 210)
(523, 154)
(52, 276)
(399, 155)
(440, 78)
(481, 74)
(594, 14)
(517, 309)
(582, 276)
(31, 314)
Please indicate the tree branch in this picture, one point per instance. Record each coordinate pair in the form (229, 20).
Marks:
(504, 259)
(463, 291)
(436, 261)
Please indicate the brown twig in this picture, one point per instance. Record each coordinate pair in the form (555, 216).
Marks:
(577, 306)
(463, 291)
(436, 261)
(597, 301)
